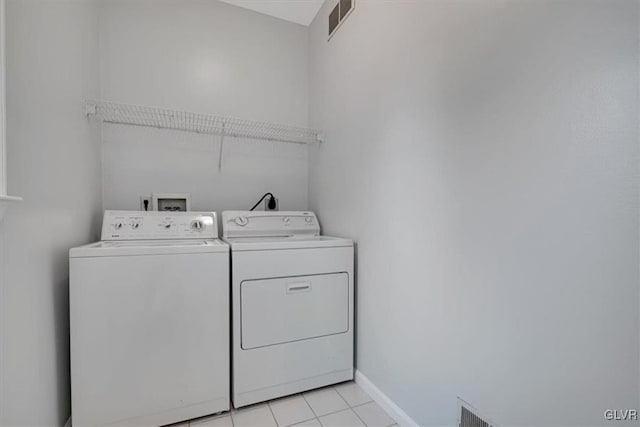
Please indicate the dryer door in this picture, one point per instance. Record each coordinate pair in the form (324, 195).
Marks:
(281, 310)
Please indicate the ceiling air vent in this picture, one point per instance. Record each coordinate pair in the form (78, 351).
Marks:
(468, 416)
(339, 13)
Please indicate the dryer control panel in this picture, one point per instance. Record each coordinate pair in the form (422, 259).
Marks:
(269, 224)
(134, 225)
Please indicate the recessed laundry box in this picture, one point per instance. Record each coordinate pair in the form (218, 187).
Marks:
(292, 305)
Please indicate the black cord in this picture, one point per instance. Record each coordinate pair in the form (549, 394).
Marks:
(272, 201)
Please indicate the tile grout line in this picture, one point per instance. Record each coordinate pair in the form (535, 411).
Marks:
(359, 404)
(341, 397)
(355, 406)
(349, 405)
(289, 397)
(272, 414)
(315, 417)
(373, 401)
(359, 417)
(299, 422)
(350, 409)
(362, 404)
(205, 418)
(312, 410)
(335, 412)
(250, 408)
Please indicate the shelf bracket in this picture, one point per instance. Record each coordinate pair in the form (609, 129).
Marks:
(90, 108)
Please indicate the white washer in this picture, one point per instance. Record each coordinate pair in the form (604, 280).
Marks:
(292, 305)
(149, 313)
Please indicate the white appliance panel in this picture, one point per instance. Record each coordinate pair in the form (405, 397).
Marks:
(263, 264)
(148, 247)
(269, 224)
(282, 310)
(298, 365)
(289, 242)
(149, 338)
(136, 225)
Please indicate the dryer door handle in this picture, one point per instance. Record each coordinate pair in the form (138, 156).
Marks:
(298, 287)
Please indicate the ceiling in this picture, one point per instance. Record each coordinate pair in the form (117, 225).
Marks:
(298, 11)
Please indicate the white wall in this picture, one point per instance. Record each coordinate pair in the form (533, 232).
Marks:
(484, 155)
(54, 163)
(3, 106)
(209, 57)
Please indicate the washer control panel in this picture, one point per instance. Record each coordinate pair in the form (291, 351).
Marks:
(134, 225)
(269, 224)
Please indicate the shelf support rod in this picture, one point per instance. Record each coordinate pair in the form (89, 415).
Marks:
(221, 148)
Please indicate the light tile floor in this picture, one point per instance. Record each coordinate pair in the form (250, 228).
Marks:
(342, 405)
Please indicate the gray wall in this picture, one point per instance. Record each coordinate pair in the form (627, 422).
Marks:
(207, 57)
(196, 55)
(484, 155)
(54, 164)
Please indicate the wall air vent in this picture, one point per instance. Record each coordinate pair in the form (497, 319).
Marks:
(468, 416)
(338, 14)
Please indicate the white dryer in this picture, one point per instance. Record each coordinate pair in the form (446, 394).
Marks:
(292, 305)
(149, 313)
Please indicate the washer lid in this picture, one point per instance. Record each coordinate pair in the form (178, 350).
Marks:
(286, 242)
(148, 247)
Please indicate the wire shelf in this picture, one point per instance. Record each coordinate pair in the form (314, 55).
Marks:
(137, 115)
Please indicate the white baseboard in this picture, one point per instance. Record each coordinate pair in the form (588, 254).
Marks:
(68, 423)
(384, 401)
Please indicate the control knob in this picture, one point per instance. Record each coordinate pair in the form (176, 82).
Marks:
(117, 226)
(197, 225)
(242, 221)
